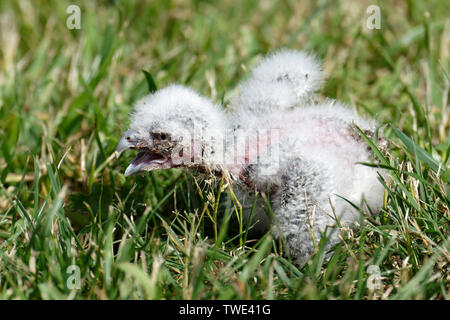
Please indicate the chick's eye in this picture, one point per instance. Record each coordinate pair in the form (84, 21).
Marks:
(159, 136)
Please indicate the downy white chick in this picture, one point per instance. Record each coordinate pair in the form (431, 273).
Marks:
(303, 156)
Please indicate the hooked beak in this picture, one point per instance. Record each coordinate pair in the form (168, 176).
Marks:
(128, 141)
(146, 160)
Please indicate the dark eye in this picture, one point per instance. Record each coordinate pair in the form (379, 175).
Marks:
(160, 136)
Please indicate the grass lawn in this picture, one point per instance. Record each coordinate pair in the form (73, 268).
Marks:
(73, 227)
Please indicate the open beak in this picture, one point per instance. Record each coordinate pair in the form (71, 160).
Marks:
(146, 160)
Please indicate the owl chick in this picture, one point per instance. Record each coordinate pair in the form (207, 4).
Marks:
(304, 156)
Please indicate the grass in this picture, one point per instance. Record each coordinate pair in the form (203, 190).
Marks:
(66, 210)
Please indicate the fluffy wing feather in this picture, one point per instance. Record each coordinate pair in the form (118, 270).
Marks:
(280, 81)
